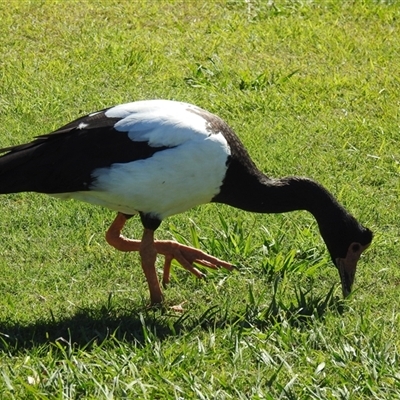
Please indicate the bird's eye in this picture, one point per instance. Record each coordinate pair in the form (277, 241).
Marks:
(355, 247)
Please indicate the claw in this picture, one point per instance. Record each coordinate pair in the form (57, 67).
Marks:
(178, 308)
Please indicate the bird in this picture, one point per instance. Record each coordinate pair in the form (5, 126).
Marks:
(157, 158)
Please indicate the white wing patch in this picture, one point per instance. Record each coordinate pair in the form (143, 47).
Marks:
(159, 122)
(82, 125)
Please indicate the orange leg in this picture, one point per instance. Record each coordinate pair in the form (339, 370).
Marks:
(146, 249)
(185, 255)
(115, 239)
(148, 255)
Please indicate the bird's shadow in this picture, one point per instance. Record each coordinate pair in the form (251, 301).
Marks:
(141, 324)
(87, 327)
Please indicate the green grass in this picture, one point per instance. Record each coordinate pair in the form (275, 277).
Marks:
(312, 89)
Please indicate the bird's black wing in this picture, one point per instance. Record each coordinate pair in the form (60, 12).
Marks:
(93, 121)
(64, 160)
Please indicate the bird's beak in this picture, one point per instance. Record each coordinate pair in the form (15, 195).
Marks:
(347, 266)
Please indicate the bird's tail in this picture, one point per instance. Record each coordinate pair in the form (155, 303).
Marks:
(19, 171)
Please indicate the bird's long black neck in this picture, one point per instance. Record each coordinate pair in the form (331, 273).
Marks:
(247, 188)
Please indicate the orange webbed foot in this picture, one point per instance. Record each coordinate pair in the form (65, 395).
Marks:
(187, 256)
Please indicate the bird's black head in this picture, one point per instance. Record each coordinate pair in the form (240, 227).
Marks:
(345, 239)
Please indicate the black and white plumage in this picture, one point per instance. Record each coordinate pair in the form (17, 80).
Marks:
(159, 158)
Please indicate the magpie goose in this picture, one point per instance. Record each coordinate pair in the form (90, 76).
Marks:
(158, 158)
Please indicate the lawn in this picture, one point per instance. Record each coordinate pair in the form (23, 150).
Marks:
(312, 89)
